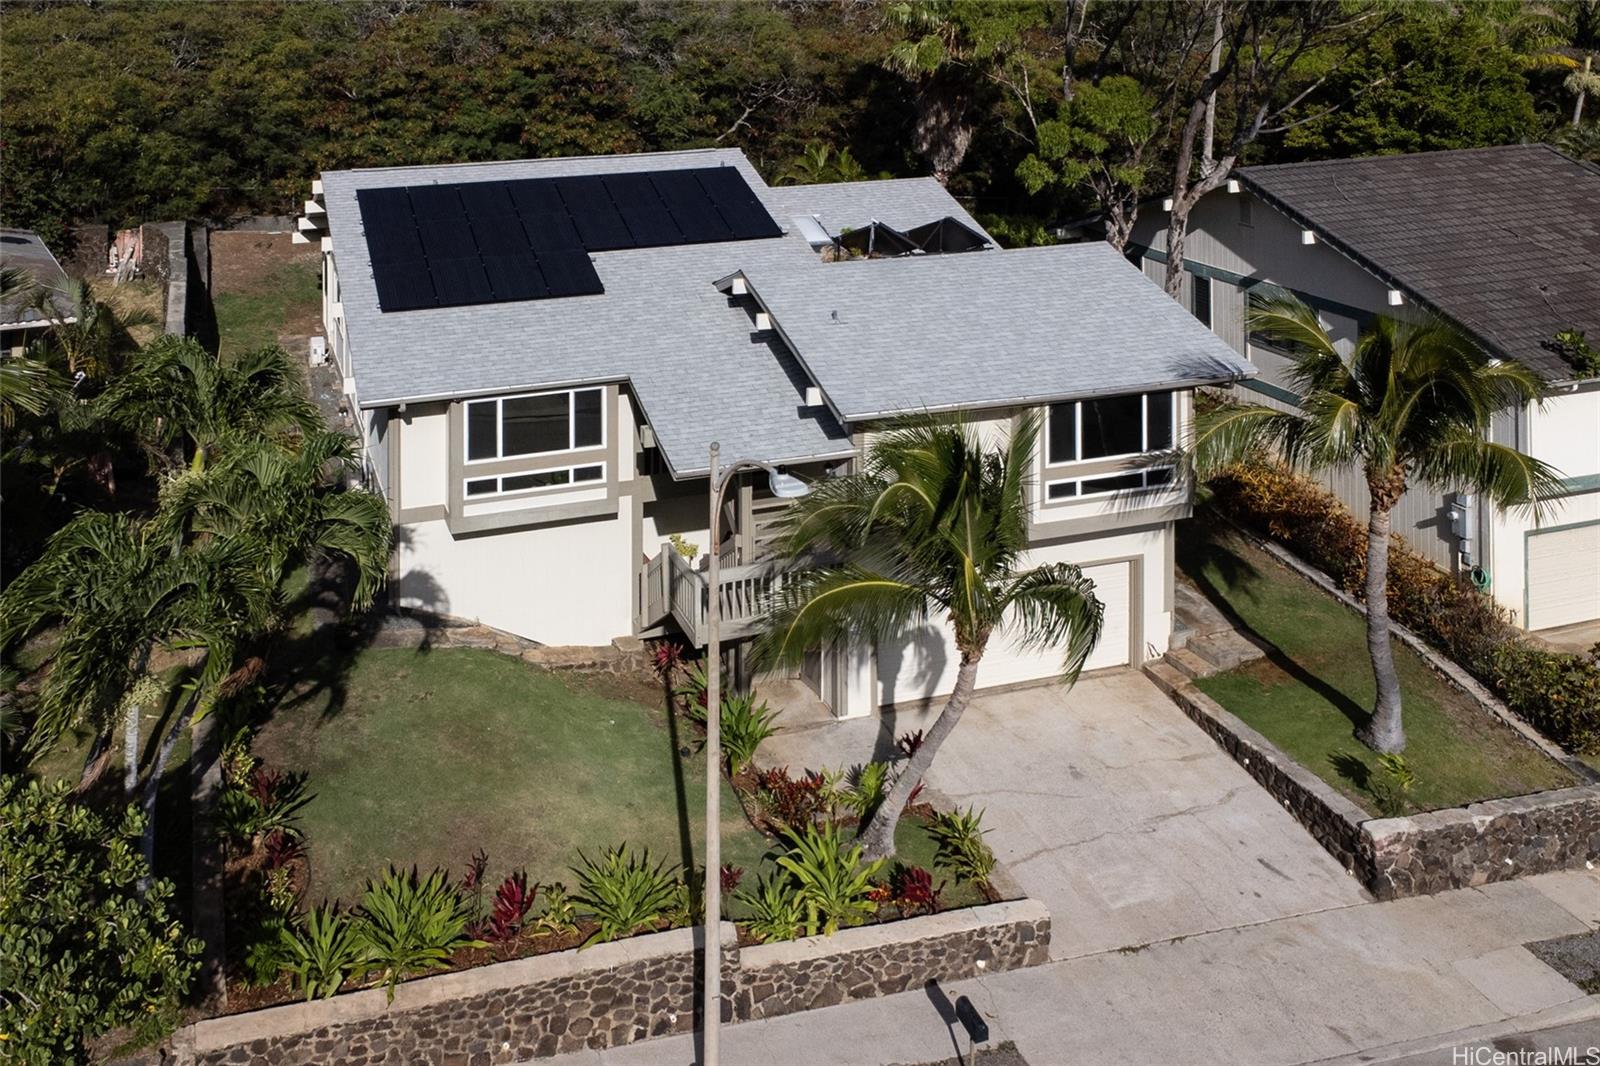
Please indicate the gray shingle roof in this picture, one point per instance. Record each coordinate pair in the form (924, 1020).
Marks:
(1505, 241)
(987, 329)
(24, 250)
(967, 329)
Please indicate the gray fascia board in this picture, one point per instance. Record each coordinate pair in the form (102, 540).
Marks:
(1038, 401)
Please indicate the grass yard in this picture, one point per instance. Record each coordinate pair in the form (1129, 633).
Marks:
(425, 757)
(1314, 691)
(263, 287)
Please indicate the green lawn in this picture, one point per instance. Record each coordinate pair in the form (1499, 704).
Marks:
(1314, 691)
(425, 757)
(250, 320)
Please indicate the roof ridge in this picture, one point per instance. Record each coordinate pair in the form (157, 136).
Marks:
(537, 159)
(1377, 156)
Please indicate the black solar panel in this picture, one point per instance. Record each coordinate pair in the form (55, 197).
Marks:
(495, 241)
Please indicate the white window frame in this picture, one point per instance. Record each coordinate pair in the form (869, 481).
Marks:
(1077, 428)
(500, 479)
(1143, 489)
(500, 425)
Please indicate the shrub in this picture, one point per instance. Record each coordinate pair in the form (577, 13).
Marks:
(959, 845)
(745, 724)
(321, 954)
(82, 950)
(833, 883)
(913, 889)
(776, 912)
(560, 914)
(869, 785)
(1392, 789)
(410, 924)
(509, 911)
(268, 801)
(793, 802)
(730, 876)
(1558, 694)
(625, 892)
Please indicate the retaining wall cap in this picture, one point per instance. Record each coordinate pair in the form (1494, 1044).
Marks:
(290, 1019)
(1480, 814)
(911, 930)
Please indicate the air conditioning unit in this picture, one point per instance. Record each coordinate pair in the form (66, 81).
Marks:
(319, 351)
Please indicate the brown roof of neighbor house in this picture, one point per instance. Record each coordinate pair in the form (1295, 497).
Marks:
(1505, 241)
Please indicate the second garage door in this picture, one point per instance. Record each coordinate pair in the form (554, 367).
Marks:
(1563, 576)
(1007, 665)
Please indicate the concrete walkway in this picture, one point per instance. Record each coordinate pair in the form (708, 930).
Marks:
(1110, 807)
(1194, 920)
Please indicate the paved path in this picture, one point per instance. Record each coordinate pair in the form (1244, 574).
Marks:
(1194, 920)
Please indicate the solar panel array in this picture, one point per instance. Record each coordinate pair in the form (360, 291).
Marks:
(497, 241)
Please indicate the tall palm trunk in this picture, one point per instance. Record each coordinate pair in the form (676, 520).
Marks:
(878, 836)
(152, 786)
(1384, 732)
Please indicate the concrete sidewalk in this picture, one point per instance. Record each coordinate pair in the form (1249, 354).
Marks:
(1367, 982)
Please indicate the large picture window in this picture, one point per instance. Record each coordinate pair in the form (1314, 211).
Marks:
(540, 424)
(1110, 427)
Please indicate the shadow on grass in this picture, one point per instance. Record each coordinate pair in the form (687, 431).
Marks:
(1201, 554)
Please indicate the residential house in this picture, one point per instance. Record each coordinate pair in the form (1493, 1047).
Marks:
(1503, 241)
(23, 318)
(542, 352)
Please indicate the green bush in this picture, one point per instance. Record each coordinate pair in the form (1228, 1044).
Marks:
(833, 884)
(409, 924)
(626, 893)
(745, 725)
(775, 909)
(82, 951)
(959, 845)
(560, 913)
(323, 953)
(1558, 694)
(869, 785)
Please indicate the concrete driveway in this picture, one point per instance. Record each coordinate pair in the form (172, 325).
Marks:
(1110, 807)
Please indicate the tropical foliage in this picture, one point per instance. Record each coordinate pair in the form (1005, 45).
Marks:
(960, 846)
(625, 892)
(409, 924)
(933, 526)
(832, 882)
(83, 949)
(1412, 404)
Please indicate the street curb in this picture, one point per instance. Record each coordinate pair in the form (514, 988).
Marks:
(1583, 1009)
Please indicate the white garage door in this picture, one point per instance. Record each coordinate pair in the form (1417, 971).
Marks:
(1111, 585)
(1563, 576)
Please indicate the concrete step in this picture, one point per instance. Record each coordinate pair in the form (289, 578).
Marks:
(1224, 650)
(1189, 664)
(1166, 677)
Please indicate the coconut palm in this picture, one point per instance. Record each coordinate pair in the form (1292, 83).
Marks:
(26, 385)
(820, 164)
(934, 525)
(177, 394)
(86, 336)
(1411, 405)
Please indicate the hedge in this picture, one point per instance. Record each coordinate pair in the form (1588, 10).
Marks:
(1559, 694)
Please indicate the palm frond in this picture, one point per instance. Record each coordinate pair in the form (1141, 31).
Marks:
(1054, 606)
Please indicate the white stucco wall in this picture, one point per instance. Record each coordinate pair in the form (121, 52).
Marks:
(1565, 431)
(567, 583)
(424, 456)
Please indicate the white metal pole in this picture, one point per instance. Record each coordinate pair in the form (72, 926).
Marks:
(712, 1003)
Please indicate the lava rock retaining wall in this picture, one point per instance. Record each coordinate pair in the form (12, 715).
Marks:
(1458, 847)
(614, 994)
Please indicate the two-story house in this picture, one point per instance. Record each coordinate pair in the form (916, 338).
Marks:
(1505, 242)
(542, 352)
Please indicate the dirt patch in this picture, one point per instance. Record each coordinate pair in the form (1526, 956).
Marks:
(243, 261)
(265, 290)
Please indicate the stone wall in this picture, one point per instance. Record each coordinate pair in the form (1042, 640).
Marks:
(418, 629)
(1393, 858)
(614, 994)
(1491, 841)
(880, 960)
(1328, 815)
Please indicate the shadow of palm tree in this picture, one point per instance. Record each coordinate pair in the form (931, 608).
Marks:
(1202, 554)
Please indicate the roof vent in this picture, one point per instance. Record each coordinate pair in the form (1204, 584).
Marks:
(813, 396)
(763, 321)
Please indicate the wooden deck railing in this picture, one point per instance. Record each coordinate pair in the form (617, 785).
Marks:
(670, 585)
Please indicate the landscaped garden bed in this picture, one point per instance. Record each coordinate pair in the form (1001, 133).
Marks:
(1313, 689)
(555, 810)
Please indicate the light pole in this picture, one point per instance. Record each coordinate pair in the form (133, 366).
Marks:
(784, 486)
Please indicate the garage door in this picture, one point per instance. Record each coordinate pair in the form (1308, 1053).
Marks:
(1563, 576)
(1007, 665)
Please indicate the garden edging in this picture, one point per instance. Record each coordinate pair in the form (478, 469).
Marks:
(1393, 858)
(617, 993)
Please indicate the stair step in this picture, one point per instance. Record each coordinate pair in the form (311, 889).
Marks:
(1190, 664)
(1225, 650)
(1167, 679)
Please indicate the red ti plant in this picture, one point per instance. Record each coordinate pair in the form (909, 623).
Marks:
(512, 901)
(914, 890)
(908, 743)
(264, 785)
(665, 657)
(475, 867)
(731, 876)
(281, 848)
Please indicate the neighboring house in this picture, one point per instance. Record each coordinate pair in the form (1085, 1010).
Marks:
(542, 352)
(22, 319)
(1505, 242)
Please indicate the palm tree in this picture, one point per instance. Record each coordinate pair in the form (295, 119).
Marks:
(820, 164)
(177, 393)
(933, 526)
(86, 335)
(1412, 404)
(26, 385)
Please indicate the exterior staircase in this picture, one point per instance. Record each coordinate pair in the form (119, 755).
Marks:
(1204, 641)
